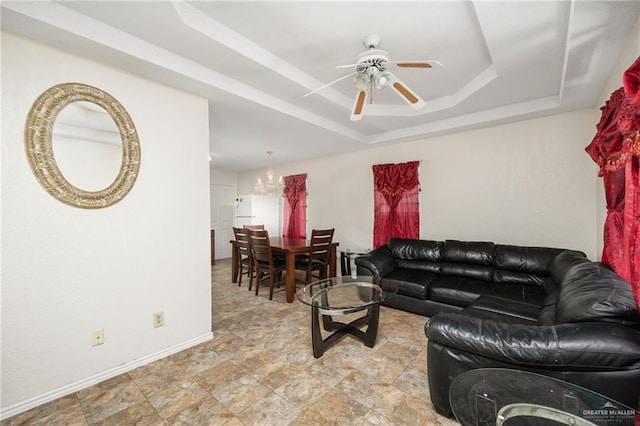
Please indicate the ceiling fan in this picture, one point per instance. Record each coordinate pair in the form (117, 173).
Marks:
(371, 74)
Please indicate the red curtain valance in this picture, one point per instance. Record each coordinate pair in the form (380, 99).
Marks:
(295, 206)
(393, 180)
(618, 132)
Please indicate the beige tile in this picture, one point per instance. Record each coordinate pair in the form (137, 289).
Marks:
(234, 422)
(274, 374)
(97, 389)
(140, 414)
(158, 382)
(374, 419)
(62, 411)
(414, 383)
(331, 369)
(364, 388)
(219, 376)
(207, 411)
(306, 419)
(404, 409)
(420, 361)
(303, 390)
(396, 353)
(381, 367)
(272, 409)
(336, 408)
(162, 367)
(107, 399)
(176, 397)
(238, 395)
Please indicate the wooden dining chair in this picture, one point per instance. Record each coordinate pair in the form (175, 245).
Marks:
(244, 255)
(318, 257)
(254, 227)
(265, 265)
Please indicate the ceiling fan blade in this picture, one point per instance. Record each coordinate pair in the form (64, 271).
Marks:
(329, 84)
(346, 66)
(358, 106)
(405, 93)
(415, 64)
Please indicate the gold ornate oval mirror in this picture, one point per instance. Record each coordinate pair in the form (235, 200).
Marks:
(39, 132)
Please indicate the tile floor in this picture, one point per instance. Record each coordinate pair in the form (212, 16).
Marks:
(259, 370)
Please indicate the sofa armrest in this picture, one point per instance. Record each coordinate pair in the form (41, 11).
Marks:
(598, 345)
(377, 263)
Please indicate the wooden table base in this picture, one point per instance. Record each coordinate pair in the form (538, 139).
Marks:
(368, 337)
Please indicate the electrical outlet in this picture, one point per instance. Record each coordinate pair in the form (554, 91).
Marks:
(97, 337)
(158, 319)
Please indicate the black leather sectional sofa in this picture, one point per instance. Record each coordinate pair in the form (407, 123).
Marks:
(545, 310)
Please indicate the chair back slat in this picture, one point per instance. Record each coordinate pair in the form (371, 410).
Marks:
(321, 240)
(264, 263)
(254, 227)
(260, 245)
(242, 241)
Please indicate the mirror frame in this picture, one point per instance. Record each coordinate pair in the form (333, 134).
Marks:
(39, 149)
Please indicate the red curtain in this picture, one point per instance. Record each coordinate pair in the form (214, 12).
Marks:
(295, 206)
(396, 209)
(616, 148)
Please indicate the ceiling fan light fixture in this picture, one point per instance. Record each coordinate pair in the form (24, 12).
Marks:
(361, 81)
(382, 80)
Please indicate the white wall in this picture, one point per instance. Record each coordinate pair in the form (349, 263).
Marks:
(221, 177)
(68, 271)
(528, 183)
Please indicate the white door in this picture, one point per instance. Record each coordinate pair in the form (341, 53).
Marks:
(222, 199)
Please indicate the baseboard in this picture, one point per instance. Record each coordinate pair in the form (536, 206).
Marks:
(100, 377)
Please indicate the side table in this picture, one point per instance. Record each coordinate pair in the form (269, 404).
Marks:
(346, 256)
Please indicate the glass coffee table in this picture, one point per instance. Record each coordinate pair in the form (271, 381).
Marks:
(342, 296)
(497, 396)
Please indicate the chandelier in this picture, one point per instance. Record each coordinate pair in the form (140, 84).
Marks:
(271, 187)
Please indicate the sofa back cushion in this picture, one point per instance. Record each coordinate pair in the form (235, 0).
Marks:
(469, 252)
(531, 260)
(407, 249)
(593, 292)
(563, 262)
(467, 259)
(524, 265)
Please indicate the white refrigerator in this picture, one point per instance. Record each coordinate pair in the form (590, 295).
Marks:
(258, 210)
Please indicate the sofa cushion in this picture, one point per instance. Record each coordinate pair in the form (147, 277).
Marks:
(411, 282)
(522, 278)
(470, 252)
(520, 293)
(565, 261)
(434, 267)
(465, 270)
(457, 291)
(530, 260)
(547, 315)
(408, 249)
(593, 292)
(525, 265)
(501, 309)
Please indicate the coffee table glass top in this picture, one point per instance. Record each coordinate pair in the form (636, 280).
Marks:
(344, 295)
(496, 396)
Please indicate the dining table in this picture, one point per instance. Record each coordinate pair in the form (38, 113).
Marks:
(289, 248)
